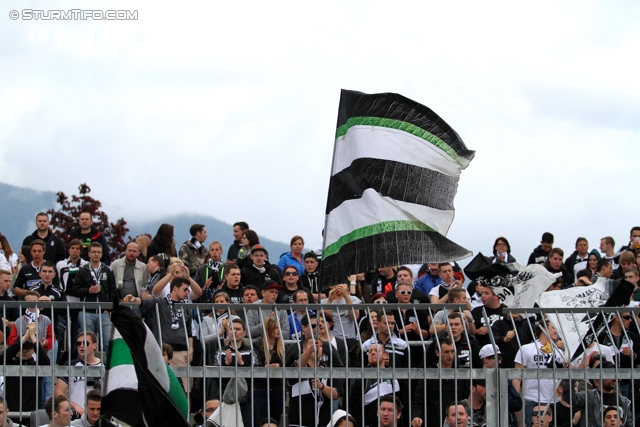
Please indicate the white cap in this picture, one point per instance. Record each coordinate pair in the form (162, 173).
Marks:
(488, 350)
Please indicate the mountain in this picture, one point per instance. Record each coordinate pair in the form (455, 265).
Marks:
(19, 206)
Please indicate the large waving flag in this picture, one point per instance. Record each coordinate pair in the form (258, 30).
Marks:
(139, 387)
(396, 166)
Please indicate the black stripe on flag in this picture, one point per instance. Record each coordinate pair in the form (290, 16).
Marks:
(400, 181)
(397, 107)
(387, 249)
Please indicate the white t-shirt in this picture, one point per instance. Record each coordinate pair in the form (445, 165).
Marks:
(531, 357)
(77, 390)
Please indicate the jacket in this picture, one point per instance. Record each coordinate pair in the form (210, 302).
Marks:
(287, 258)
(255, 319)
(84, 280)
(192, 257)
(29, 384)
(55, 249)
(538, 256)
(252, 276)
(87, 239)
(44, 330)
(139, 273)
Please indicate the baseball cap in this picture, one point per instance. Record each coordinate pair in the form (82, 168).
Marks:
(270, 284)
(258, 248)
(488, 350)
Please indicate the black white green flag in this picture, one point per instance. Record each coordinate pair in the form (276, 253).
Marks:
(396, 166)
(138, 383)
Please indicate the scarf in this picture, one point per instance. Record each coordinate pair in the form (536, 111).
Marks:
(260, 269)
(32, 316)
(176, 314)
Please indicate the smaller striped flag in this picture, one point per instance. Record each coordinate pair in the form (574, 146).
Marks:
(140, 388)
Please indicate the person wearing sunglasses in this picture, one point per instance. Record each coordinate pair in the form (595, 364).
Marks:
(86, 344)
(413, 324)
(291, 285)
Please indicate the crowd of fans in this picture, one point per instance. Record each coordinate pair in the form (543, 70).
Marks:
(156, 278)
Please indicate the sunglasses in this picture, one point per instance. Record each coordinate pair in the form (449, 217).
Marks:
(627, 317)
(185, 289)
(291, 273)
(85, 343)
(380, 301)
(405, 292)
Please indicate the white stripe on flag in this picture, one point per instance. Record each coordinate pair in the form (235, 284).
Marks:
(122, 377)
(155, 362)
(390, 144)
(372, 208)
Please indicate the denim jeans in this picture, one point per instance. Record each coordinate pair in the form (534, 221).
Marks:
(96, 323)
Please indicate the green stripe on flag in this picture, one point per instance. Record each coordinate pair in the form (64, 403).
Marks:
(405, 127)
(176, 392)
(119, 354)
(370, 230)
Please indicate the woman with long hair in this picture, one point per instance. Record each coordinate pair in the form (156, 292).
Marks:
(248, 240)
(268, 393)
(7, 252)
(295, 256)
(24, 257)
(163, 244)
(592, 261)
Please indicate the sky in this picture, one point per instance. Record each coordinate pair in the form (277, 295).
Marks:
(230, 108)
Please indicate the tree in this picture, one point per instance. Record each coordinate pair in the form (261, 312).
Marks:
(65, 219)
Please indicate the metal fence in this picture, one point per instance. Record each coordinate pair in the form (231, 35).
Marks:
(424, 390)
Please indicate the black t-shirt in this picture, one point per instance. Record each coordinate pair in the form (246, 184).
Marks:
(494, 314)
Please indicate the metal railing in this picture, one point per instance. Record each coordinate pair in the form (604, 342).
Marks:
(351, 378)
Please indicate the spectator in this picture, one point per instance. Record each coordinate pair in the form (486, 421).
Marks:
(87, 344)
(439, 294)
(457, 415)
(540, 254)
(193, 251)
(390, 411)
(311, 277)
(364, 394)
(312, 399)
(143, 242)
(92, 410)
(256, 317)
(217, 324)
(541, 416)
(295, 256)
(291, 284)
(544, 353)
(88, 233)
(95, 282)
(607, 245)
(248, 240)
(578, 259)
(130, 274)
(29, 274)
(232, 254)
(258, 270)
(429, 280)
(57, 409)
(397, 349)
(210, 275)
(174, 322)
(163, 244)
(455, 296)
(627, 261)
(385, 281)
(54, 248)
(21, 352)
(554, 264)
(10, 256)
(232, 284)
(502, 252)
(268, 393)
(345, 318)
(466, 346)
(295, 326)
(5, 421)
(176, 270)
(492, 308)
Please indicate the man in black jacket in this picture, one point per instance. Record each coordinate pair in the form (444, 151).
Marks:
(95, 282)
(88, 233)
(55, 249)
(540, 254)
(260, 270)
